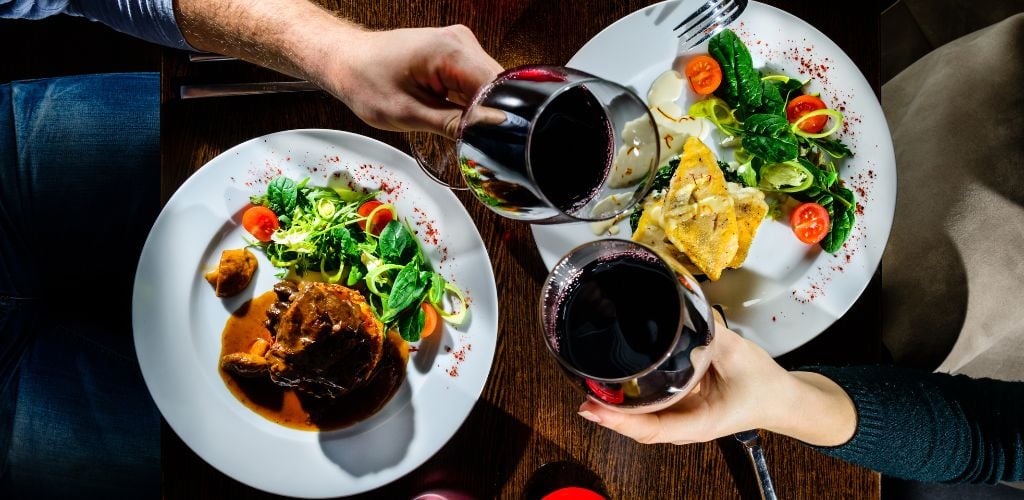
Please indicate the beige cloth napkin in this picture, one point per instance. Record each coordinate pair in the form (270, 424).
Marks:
(954, 267)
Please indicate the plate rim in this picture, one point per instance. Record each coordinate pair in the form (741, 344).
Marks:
(344, 135)
(883, 126)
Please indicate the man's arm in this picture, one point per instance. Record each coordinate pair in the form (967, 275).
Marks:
(405, 79)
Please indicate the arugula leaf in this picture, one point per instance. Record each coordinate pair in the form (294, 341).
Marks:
(356, 272)
(411, 325)
(833, 147)
(282, 195)
(396, 244)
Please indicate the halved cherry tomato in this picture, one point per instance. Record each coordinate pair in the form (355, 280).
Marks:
(810, 222)
(704, 73)
(802, 105)
(380, 219)
(429, 320)
(572, 493)
(261, 222)
(606, 394)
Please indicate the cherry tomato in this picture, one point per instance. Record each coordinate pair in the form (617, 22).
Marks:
(704, 73)
(380, 219)
(606, 394)
(572, 493)
(802, 105)
(810, 222)
(261, 222)
(429, 321)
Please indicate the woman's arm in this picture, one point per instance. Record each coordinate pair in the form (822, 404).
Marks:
(915, 425)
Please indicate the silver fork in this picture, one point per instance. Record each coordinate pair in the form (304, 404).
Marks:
(709, 19)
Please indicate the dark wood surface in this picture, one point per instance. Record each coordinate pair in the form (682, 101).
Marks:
(526, 416)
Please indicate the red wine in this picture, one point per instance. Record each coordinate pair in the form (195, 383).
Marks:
(619, 317)
(571, 149)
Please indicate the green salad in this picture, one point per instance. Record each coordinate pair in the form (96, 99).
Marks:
(782, 138)
(352, 239)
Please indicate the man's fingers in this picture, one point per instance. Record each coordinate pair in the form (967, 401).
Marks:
(644, 428)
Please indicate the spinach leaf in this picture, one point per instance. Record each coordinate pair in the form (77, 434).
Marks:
(730, 174)
(741, 83)
(772, 149)
(409, 287)
(842, 212)
(411, 325)
(282, 195)
(396, 244)
(772, 101)
(766, 124)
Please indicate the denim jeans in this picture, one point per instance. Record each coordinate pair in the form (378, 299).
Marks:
(79, 190)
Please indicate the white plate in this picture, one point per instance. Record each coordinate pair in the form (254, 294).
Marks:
(178, 321)
(786, 293)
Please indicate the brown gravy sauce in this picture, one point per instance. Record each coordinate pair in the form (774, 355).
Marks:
(291, 409)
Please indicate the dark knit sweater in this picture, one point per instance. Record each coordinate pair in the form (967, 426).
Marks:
(931, 426)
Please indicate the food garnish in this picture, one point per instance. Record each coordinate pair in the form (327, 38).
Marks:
(351, 238)
(704, 73)
(233, 272)
(810, 222)
(261, 222)
(780, 136)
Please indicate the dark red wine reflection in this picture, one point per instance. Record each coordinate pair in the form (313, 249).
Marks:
(623, 326)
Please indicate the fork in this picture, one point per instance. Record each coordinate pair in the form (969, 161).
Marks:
(709, 19)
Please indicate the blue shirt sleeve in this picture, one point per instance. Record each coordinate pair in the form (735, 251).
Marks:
(151, 20)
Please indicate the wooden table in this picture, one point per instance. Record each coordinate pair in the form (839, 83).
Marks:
(526, 416)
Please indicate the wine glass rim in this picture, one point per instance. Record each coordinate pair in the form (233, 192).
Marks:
(680, 295)
(587, 78)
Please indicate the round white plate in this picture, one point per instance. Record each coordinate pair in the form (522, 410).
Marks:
(178, 320)
(787, 292)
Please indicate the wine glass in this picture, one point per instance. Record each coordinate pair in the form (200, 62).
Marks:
(547, 144)
(627, 330)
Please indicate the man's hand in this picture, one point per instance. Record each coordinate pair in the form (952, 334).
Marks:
(406, 79)
(411, 79)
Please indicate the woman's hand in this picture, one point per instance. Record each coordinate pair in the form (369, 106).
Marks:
(743, 389)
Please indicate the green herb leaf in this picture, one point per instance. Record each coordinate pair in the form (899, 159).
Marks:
(772, 149)
(356, 272)
(741, 83)
(766, 124)
(282, 195)
(396, 244)
(410, 325)
(436, 293)
(833, 147)
(409, 287)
